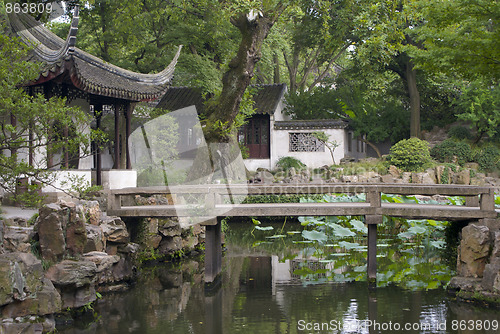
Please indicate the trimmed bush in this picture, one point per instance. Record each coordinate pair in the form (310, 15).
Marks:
(449, 148)
(285, 163)
(410, 155)
(459, 133)
(488, 158)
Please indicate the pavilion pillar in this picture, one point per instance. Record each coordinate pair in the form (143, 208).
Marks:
(116, 164)
(98, 160)
(128, 130)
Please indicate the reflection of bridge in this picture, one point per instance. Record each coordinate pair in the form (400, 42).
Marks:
(479, 204)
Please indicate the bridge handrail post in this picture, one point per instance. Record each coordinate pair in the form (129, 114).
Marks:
(373, 197)
(114, 201)
(487, 201)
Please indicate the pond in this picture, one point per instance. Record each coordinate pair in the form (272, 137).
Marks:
(279, 285)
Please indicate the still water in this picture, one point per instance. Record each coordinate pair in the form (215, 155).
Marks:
(261, 294)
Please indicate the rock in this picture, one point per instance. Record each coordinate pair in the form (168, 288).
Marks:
(74, 298)
(394, 171)
(52, 221)
(439, 173)
(264, 177)
(464, 283)
(150, 237)
(370, 176)
(72, 273)
(20, 277)
(95, 239)
(115, 230)
(47, 301)
(388, 179)
(417, 177)
(462, 177)
(20, 327)
(170, 245)
(189, 242)
(76, 233)
(349, 178)
(491, 272)
(110, 268)
(477, 181)
(474, 250)
(2, 229)
(346, 160)
(471, 165)
(92, 211)
(496, 247)
(17, 239)
(406, 177)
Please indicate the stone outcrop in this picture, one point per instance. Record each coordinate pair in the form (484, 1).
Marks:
(474, 250)
(95, 239)
(478, 263)
(115, 230)
(20, 277)
(61, 231)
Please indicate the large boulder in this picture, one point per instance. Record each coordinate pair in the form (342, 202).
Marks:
(47, 301)
(20, 277)
(115, 230)
(474, 250)
(61, 231)
(461, 177)
(52, 221)
(110, 268)
(150, 235)
(76, 232)
(170, 245)
(72, 273)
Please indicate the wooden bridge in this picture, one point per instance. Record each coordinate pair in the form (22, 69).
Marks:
(479, 204)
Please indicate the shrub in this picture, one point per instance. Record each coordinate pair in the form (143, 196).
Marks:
(410, 154)
(445, 151)
(286, 163)
(460, 133)
(488, 158)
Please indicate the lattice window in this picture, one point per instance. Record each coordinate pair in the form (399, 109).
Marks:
(304, 142)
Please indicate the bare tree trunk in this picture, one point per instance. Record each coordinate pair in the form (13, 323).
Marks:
(375, 148)
(411, 80)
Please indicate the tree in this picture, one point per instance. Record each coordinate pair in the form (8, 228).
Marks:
(459, 37)
(331, 145)
(29, 123)
(384, 30)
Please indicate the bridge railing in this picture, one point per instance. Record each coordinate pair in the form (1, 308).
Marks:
(217, 201)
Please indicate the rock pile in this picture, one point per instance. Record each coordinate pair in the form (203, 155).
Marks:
(82, 251)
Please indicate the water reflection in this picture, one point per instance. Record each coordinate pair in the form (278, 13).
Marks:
(259, 295)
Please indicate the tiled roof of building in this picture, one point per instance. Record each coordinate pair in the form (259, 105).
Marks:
(266, 98)
(62, 60)
(311, 124)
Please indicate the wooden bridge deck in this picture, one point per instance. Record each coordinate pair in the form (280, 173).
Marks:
(479, 204)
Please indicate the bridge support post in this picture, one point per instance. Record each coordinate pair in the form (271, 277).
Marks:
(213, 251)
(372, 221)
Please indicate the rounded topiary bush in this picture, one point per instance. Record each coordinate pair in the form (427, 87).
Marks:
(286, 163)
(445, 151)
(410, 154)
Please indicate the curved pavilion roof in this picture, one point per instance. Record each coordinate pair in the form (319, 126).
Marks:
(63, 62)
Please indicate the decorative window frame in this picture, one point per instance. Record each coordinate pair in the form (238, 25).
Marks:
(304, 142)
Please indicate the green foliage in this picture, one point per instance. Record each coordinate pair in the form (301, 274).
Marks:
(479, 104)
(448, 149)
(285, 163)
(410, 154)
(80, 188)
(43, 119)
(459, 133)
(488, 158)
(458, 36)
